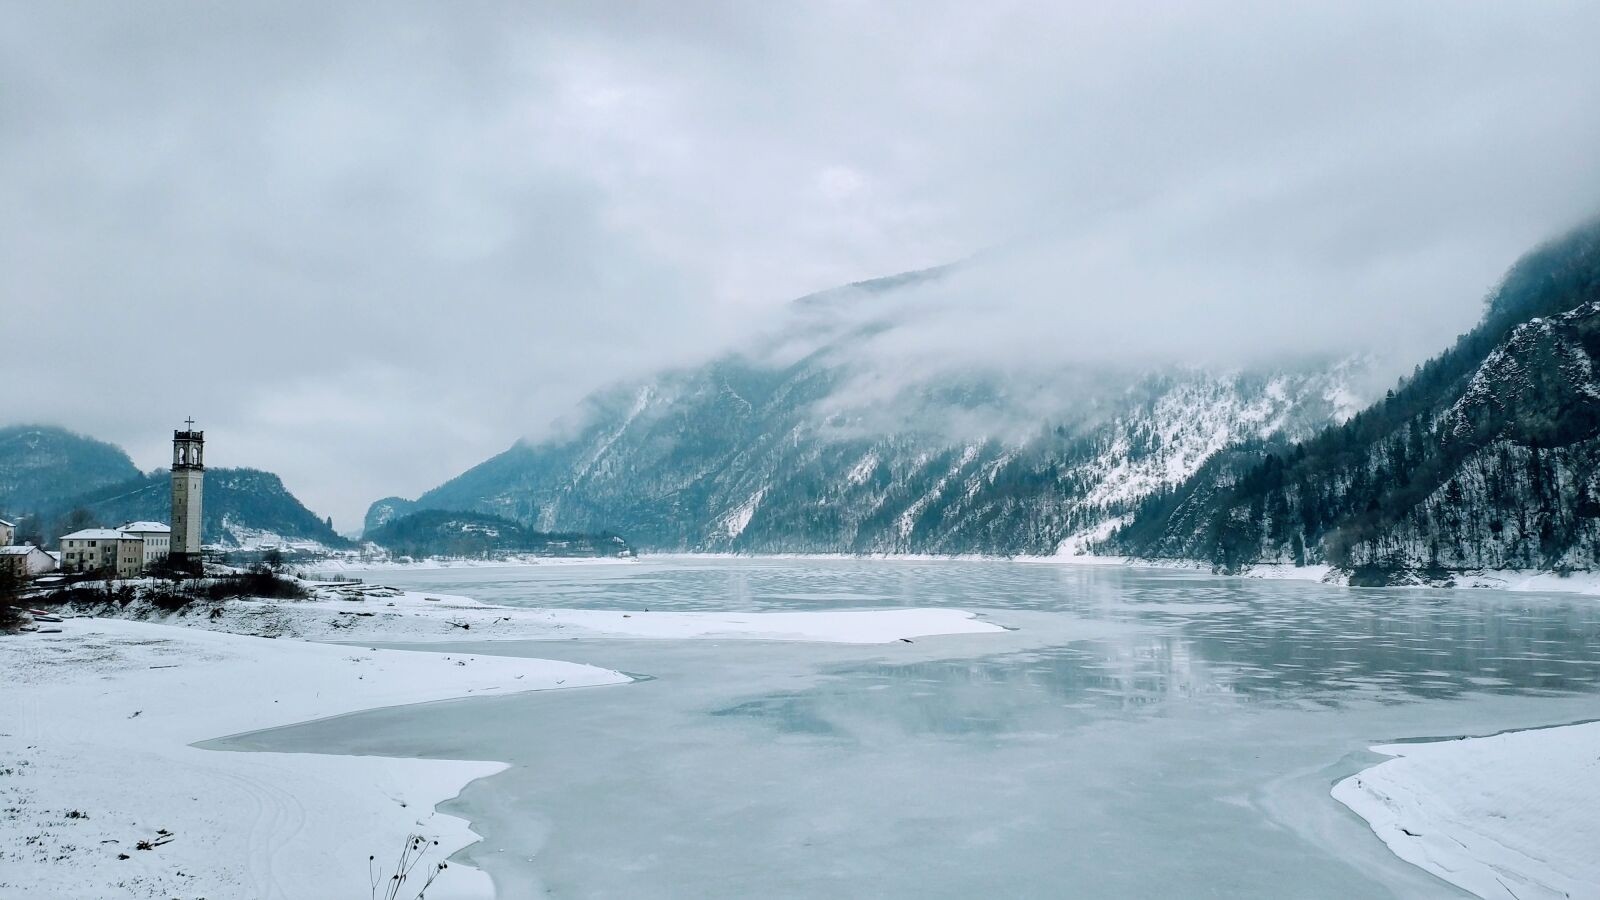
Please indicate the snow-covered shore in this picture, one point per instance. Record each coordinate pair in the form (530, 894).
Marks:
(98, 723)
(1510, 816)
(1516, 580)
(362, 613)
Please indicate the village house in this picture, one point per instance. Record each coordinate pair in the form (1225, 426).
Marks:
(126, 551)
(103, 550)
(157, 539)
(8, 533)
(26, 560)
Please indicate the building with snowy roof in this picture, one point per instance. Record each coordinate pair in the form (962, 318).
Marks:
(26, 560)
(156, 536)
(103, 550)
(8, 533)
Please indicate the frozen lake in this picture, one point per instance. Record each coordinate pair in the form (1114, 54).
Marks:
(1141, 733)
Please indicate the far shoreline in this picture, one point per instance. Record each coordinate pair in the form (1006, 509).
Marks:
(1582, 582)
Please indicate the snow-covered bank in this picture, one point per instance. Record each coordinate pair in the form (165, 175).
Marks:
(356, 564)
(1511, 816)
(1516, 580)
(391, 616)
(95, 728)
(1501, 580)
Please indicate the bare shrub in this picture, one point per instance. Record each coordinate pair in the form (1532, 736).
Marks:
(391, 885)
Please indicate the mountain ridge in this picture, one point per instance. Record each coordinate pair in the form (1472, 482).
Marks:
(750, 454)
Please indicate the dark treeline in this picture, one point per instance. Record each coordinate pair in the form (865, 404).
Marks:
(433, 532)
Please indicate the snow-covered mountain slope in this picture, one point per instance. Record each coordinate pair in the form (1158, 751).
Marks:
(1487, 458)
(785, 451)
(1525, 493)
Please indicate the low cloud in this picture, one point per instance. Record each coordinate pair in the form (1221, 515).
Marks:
(368, 246)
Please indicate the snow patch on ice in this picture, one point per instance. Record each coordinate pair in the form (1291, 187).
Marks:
(1510, 816)
(369, 613)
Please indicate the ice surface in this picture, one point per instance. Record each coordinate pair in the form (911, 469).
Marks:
(1141, 733)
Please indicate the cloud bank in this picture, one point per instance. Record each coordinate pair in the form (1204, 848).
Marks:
(368, 246)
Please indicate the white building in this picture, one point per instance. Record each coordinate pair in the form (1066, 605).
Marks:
(27, 559)
(103, 549)
(156, 536)
(8, 532)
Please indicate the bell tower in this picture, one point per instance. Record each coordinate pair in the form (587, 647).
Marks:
(188, 480)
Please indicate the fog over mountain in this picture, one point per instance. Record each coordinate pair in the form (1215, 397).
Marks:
(369, 248)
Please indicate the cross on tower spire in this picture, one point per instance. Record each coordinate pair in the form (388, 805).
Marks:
(189, 422)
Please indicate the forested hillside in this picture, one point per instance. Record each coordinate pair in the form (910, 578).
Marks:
(41, 465)
(474, 535)
(53, 481)
(1486, 457)
(240, 508)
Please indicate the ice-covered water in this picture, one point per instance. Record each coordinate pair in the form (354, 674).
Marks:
(1141, 734)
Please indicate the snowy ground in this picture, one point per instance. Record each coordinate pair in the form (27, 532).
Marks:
(1511, 816)
(96, 724)
(391, 616)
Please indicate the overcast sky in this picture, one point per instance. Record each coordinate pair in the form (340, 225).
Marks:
(369, 245)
